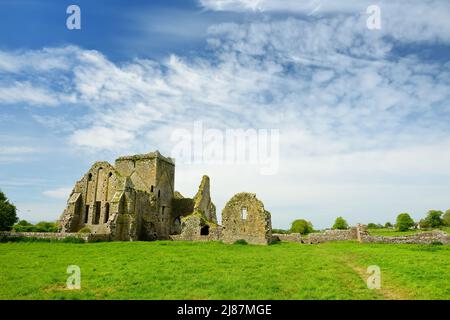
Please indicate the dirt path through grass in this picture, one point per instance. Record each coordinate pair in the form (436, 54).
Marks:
(386, 291)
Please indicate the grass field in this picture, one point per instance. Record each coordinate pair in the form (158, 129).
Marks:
(186, 270)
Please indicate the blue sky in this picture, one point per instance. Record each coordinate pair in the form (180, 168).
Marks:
(363, 114)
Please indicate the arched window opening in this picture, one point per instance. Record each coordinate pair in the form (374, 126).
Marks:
(90, 177)
(159, 193)
(86, 214)
(98, 206)
(151, 189)
(122, 205)
(204, 231)
(106, 213)
(244, 213)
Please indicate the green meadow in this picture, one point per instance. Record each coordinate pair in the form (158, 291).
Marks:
(213, 270)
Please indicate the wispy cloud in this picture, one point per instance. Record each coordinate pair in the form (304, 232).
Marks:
(25, 92)
(59, 193)
(330, 80)
(16, 150)
(404, 20)
(350, 110)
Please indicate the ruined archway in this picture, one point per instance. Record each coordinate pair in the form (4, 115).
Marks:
(204, 231)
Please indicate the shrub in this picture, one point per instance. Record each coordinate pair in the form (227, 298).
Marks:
(373, 226)
(24, 239)
(241, 242)
(423, 224)
(301, 226)
(72, 240)
(340, 224)
(84, 230)
(4, 238)
(434, 219)
(44, 226)
(281, 231)
(23, 226)
(446, 218)
(404, 222)
(8, 215)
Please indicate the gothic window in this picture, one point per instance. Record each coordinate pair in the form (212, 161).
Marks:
(106, 213)
(86, 215)
(244, 213)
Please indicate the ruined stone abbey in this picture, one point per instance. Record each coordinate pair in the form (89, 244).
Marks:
(136, 200)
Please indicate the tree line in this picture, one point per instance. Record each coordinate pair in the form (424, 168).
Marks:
(434, 219)
(9, 219)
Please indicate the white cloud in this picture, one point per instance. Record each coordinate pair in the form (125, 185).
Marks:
(35, 211)
(59, 193)
(101, 138)
(10, 154)
(405, 20)
(26, 93)
(44, 60)
(361, 129)
(16, 150)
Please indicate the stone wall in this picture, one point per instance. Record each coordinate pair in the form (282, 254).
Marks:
(244, 218)
(196, 216)
(196, 228)
(87, 237)
(331, 235)
(202, 201)
(289, 237)
(436, 236)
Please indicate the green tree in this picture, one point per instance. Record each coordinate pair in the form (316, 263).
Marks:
(372, 226)
(434, 219)
(340, 224)
(301, 226)
(388, 225)
(281, 231)
(404, 222)
(23, 226)
(45, 226)
(8, 215)
(446, 218)
(423, 224)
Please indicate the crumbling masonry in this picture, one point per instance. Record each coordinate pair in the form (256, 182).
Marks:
(135, 200)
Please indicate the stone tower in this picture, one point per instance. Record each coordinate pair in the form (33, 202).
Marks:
(130, 201)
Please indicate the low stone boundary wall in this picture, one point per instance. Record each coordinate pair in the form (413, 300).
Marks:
(87, 237)
(418, 238)
(319, 237)
(331, 235)
(288, 237)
